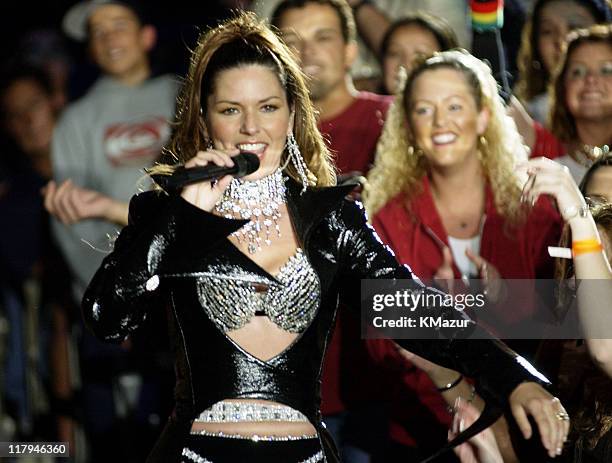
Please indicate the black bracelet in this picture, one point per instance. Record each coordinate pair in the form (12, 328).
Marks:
(449, 386)
(360, 4)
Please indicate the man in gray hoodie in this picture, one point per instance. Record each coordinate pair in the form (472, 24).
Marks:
(100, 147)
(104, 140)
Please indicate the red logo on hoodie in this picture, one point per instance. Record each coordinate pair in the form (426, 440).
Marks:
(136, 143)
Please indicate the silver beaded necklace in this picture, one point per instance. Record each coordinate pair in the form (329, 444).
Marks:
(258, 201)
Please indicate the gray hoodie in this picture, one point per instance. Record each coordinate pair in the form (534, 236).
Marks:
(102, 142)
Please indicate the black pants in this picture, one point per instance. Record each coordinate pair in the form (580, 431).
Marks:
(231, 450)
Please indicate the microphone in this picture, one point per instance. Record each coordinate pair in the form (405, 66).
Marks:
(244, 164)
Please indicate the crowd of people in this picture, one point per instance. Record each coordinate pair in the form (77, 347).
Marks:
(222, 321)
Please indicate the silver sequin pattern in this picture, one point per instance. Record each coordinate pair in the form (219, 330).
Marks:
(254, 437)
(291, 302)
(258, 201)
(193, 456)
(234, 412)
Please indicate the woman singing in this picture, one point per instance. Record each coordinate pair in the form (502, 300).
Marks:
(251, 270)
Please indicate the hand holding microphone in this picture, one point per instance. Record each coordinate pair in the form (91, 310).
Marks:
(196, 177)
(242, 164)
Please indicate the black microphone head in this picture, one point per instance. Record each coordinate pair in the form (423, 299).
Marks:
(247, 163)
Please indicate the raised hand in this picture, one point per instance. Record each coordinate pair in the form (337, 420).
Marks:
(206, 194)
(488, 273)
(548, 177)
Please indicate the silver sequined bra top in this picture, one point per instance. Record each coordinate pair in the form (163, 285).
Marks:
(231, 295)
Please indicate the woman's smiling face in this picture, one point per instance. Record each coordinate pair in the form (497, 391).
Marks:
(248, 110)
(444, 118)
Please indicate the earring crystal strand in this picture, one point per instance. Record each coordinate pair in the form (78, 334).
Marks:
(259, 202)
(298, 160)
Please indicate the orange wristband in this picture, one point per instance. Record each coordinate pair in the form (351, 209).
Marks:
(586, 246)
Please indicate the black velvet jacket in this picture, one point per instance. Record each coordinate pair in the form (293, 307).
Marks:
(154, 266)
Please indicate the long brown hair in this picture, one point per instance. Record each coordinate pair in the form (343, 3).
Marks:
(562, 123)
(242, 41)
(533, 76)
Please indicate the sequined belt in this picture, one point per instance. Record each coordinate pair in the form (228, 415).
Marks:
(195, 457)
(252, 437)
(235, 412)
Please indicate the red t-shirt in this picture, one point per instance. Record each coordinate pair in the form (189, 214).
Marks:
(349, 375)
(352, 135)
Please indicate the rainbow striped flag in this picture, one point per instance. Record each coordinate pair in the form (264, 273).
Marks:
(487, 15)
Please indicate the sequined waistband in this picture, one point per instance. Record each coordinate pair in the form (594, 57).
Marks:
(195, 457)
(236, 412)
(254, 437)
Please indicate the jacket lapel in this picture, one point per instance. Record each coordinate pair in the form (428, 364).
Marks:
(305, 209)
(308, 209)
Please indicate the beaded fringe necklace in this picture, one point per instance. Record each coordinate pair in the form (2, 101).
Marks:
(258, 201)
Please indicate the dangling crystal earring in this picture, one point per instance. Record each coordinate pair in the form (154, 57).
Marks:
(298, 161)
(208, 144)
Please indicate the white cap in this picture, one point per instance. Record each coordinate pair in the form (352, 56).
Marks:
(75, 20)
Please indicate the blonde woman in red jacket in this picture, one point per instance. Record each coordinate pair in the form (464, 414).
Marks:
(443, 194)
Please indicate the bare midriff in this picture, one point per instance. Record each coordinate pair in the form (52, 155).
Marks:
(258, 428)
(263, 339)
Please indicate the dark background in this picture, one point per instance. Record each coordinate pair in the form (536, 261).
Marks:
(177, 22)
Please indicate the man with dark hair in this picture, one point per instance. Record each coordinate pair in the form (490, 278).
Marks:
(322, 34)
(28, 115)
(105, 139)
(373, 18)
(342, 9)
